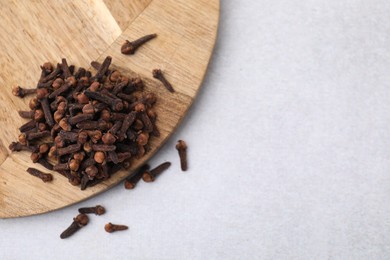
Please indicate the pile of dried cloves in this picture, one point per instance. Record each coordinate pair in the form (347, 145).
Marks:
(86, 127)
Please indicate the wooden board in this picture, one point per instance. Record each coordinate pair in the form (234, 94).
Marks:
(33, 32)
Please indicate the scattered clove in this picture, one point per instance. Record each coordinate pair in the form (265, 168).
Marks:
(45, 177)
(110, 228)
(97, 210)
(181, 147)
(78, 222)
(150, 176)
(130, 47)
(157, 73)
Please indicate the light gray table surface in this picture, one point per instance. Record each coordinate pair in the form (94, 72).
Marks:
(289, 150)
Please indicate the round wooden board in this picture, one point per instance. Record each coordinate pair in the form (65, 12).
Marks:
(83, 31)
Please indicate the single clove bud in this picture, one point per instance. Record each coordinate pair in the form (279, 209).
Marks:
(157, 73)
(37, 135)
(150, 176)
(103, 68)
(78, 222)
(97, 210)
(46, 110)
(127, 121)
(110, 228)
(181, 147)
(73, 148)
(79, 118)
(21, 92)
(103, 147)
(45, 177)
(130, 47)
(17, 146)
(115, 103)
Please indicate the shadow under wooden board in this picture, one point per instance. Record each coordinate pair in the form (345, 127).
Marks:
(83, 31)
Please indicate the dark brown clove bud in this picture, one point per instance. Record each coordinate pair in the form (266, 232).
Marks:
(17, 146)
(97, 210)
(64, 88)
(68, 136)
(27, 126)
(79, 118)
(116, 104)
(93, 125)
(46, 110)
(45, 177)
(103, 147)
(130, 47)
(78, 222)
(21, 92)
(103, 68)
(147, 123)
(69, 149)
(110, 228)
(37, 135)
(157, 73)
(181, 146)
(61, 167)
(150, 176)
(53, 74)
(129, 119)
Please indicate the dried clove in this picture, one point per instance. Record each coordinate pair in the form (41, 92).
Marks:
(97, 210)
(21, 92)
(181, 147)
(130, 47)
(116, 104)
(103, 68)
(78, 222)
(150, 176)
(110, 228)
(157, 73)
(45, 177)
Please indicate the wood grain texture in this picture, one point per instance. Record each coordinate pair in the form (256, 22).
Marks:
(83, 31)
